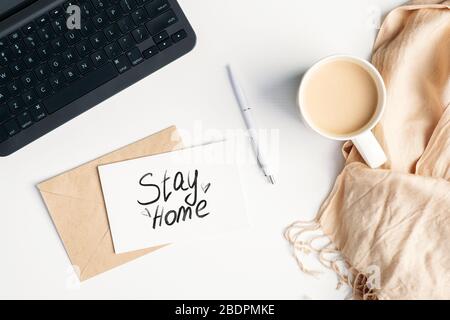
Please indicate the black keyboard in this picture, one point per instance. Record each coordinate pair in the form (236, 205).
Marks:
(50, 74)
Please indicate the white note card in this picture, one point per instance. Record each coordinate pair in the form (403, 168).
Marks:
(179, 196)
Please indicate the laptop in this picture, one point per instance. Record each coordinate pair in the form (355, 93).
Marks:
(59, 58)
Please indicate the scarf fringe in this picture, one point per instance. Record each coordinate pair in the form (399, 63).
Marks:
(303, 238)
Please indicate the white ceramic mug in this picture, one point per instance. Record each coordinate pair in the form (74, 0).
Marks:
(363, 139)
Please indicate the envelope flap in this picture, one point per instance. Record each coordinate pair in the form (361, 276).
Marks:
(81, 224)
(106, 261)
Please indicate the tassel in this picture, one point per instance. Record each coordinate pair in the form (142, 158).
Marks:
(329, 256)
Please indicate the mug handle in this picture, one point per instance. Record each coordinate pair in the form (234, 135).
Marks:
(370, 149)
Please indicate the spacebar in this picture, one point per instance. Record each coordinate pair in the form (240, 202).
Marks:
(80, 87)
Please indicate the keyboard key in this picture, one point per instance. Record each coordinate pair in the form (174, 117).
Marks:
(98, 40)
(3, 135)
(18, 49)
(15, 36)
(87, 29)
(42, 72)
(100, 5)
(84, 66)
(24, 120)
(135, 57)
(100, 21)
(126, 24)
(56, 63)
(31, 41)
(42, 20)
(4, 94)
(38, 112)
(11, 127)
(14, 87)
(161, 22)
(126, 42)
(114, 13)
(72, 36)
(99, 58)
(17, 68)
(56, 12)
(46, 33)
(178, 36)
(112, 32)
(122, 64)
(31, 60)
(59, 25)
(5, 114)
(70, 56)
(139, 16)
(165, 44)
(4, 43)
(155, 8)
(5, 75)
(57, 81)
(5, 56)
(140, 34)
(44, 89)
(16, 105)
(161, 37)
(30, 98)
(128, 5)
(44, 52)
(84, 48)
(28, 80)
(59, 44)
(70, 74)
(80, 88)
(113, 50)
(29, 28)
(150, 52)
(87, 10)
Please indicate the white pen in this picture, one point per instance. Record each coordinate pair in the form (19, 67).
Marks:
(246, 111)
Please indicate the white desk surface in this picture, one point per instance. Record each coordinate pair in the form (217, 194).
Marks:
(271, 42)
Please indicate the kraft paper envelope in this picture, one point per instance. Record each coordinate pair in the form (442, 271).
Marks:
(75, 202)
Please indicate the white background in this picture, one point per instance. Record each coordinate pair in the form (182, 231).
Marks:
(271, 42)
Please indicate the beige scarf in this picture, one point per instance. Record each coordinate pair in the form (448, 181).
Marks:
(391, 227)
